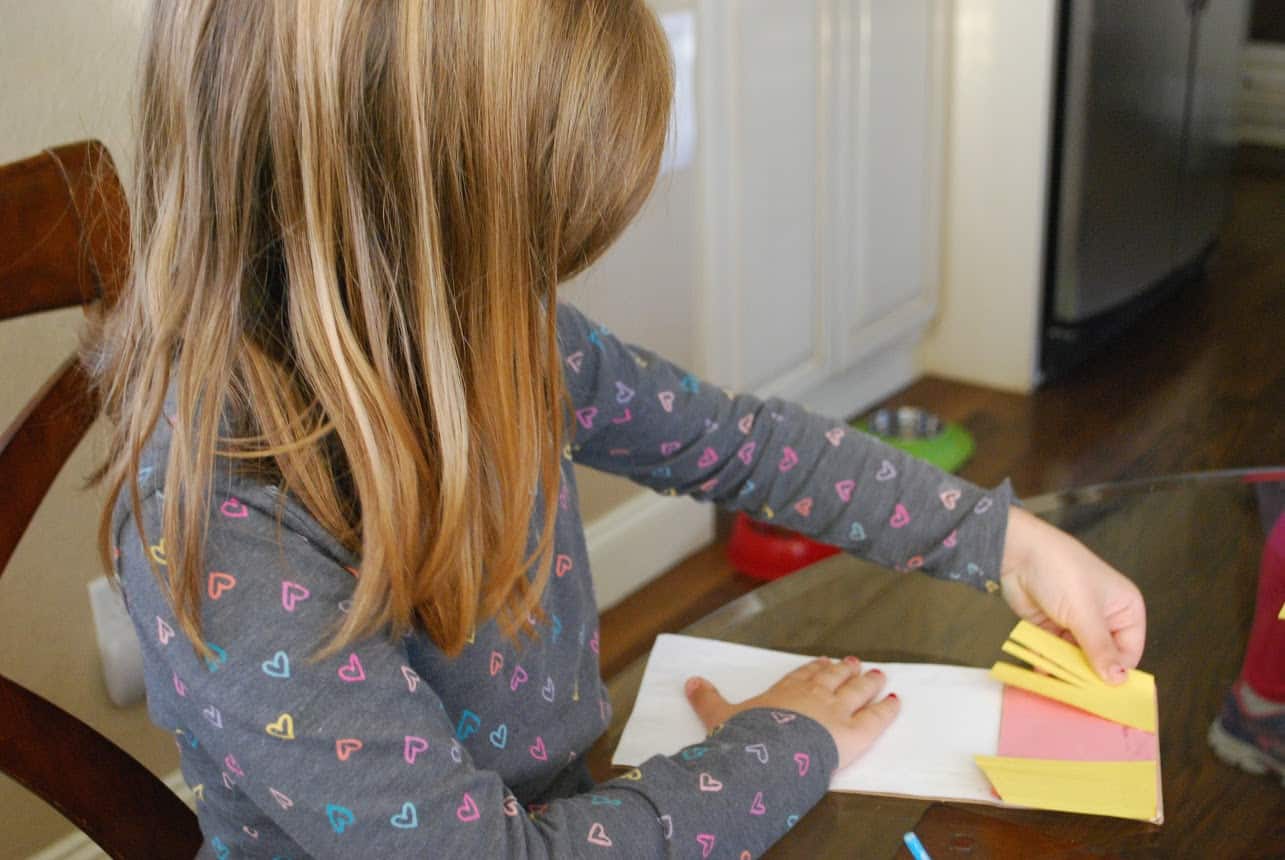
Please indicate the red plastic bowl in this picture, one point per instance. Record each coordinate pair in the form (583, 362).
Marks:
(769, 552)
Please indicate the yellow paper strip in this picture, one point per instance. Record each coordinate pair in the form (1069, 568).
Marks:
(1029, 656)
(1132, 703)
(1057, 649)
(1281, 614)
(1121, 789)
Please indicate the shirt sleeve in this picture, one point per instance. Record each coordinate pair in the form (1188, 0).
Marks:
(356, 756)
(638, 415)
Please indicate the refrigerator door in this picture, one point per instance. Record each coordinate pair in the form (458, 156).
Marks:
(1221, 26)
(1121, 151)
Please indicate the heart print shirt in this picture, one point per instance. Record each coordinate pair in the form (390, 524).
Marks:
(391, 749)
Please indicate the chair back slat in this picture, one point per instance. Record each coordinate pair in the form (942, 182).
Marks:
(64, 230)
(37, 444)
(98, 787)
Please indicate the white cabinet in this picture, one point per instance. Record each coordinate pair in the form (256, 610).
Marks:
(821, 129)
(796, 255)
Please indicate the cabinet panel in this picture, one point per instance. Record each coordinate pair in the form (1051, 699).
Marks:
(897, 138)
(759, 115)
(822, 130)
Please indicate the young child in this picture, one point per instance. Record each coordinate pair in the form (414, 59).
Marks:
(345, 403)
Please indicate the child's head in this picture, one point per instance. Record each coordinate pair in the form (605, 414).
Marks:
(350, 217)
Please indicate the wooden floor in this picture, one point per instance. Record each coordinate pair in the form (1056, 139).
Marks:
(1197, 385)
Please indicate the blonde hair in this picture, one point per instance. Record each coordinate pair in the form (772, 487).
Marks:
(350, 218)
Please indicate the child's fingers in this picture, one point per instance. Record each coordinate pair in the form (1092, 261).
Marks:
(1099, 646)
(872, 720)
(859, 690)
(834, 674)
(707, 702)
(808, 670)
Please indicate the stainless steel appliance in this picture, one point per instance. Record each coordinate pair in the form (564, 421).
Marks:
(1144, 136)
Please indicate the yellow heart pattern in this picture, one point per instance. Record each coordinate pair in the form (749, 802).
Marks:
(283, 728)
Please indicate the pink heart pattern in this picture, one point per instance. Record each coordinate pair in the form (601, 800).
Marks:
(412, 747)
(233, 509)
(467, 810)
(598, 835)
(292, 593)
(352, 671)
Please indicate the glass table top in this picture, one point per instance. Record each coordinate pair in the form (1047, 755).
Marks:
(1192, 543)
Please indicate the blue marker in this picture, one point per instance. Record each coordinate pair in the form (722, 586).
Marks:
(915, 847)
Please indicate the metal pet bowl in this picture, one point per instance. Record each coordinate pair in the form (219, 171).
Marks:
(922, 434)
(905, 422)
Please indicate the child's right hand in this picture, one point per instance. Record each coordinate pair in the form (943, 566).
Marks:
(837, 694)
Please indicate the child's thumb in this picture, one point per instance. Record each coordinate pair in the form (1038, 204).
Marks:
(706, 701)
(1099, 646)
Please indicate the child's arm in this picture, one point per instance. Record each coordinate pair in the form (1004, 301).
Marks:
(640, 416)
(356, 756)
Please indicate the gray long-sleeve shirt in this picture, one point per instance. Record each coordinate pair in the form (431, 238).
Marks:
(392, 749)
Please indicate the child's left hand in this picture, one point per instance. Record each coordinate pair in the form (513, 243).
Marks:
(1053, 580)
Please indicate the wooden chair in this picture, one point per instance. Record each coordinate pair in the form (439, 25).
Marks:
(64, 229)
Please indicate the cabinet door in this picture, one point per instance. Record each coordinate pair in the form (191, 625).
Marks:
(766, 306)
(887, 97)
(821, 129)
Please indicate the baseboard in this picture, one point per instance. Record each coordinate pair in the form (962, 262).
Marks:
(639, 540)
(1262, 95)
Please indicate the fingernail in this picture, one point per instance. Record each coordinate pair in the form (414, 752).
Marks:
(691, 685)
(850, 660)
(893, 696)
(875, 672)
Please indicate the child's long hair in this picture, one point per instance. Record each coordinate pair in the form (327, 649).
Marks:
(350, 218)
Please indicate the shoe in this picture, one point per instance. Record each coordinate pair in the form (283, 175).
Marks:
(1249, 733)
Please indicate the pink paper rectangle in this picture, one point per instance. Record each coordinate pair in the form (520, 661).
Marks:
(1032, 726)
